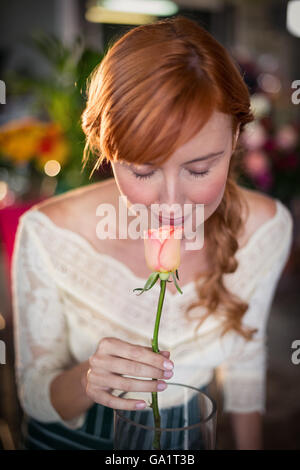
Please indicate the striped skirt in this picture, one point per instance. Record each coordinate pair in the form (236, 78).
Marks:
(96, 433)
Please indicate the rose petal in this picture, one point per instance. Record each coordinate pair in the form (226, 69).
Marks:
(151, 250)
(169, 256)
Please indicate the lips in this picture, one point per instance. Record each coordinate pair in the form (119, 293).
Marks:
(171, 220)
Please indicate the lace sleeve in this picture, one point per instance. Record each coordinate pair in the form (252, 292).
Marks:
(244, 375)
(40, 330)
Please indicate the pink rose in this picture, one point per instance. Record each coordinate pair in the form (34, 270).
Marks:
(162, 248)
(264, 181)
(256, 163)
(254, 136)
(287, 137)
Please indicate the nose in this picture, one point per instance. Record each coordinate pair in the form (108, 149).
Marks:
(171, 196)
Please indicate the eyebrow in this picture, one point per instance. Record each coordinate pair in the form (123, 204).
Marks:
(204, 157)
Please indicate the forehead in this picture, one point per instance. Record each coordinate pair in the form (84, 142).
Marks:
(214, 136)
(219, 124)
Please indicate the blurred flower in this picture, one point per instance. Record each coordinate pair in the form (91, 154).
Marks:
(270, 145)
(256, 163)
(269, 83)
(260, 105)
(254, 135)
(18, 139)
(52, 146)
(29, 139)
(268, 62)
(264, 181)
(286, 137)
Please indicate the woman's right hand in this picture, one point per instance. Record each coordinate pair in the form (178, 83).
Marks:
(115, 357)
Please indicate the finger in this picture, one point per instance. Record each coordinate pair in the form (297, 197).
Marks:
(119, 403)
(136, 352)
(97, 379)
(125, 366)
(128, 384)
(165, 353)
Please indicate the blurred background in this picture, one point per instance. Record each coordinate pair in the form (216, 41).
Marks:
(47, 51)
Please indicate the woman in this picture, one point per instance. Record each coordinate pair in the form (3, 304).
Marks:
(165, 107)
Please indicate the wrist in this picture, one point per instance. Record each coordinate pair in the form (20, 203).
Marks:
(83, 378)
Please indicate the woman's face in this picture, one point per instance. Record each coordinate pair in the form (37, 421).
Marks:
(181, 180)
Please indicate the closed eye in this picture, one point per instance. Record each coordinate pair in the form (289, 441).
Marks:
(195, 174)
(143, 177)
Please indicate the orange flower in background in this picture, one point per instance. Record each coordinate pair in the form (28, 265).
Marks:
(18, 139)
(29, 139)
(52, 146)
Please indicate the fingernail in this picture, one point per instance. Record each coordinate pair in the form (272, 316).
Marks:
(162, 386)
(140, 405)
(168, 365)
(168, 373)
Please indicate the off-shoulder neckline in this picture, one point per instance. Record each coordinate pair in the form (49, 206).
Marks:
(119, 264)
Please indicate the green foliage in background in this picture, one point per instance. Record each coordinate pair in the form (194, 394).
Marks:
(60, 96)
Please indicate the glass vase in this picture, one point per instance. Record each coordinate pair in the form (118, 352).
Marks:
(188, 419)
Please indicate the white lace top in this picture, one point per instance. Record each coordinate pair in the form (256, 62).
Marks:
(67, 296)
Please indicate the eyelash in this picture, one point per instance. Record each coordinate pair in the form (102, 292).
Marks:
(143, 177)
(195, 174)
(198, 175)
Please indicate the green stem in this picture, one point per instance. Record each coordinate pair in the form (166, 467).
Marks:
(154, 405)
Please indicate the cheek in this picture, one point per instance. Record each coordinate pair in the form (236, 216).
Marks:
(210, 191)
(137, 192)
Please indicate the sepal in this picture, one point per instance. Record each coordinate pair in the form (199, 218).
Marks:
(149, 283)
(175, 282)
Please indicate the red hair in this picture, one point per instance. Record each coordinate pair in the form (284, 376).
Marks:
(154, 90)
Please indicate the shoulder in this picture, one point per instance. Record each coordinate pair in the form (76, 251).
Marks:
(259, 209)
(266, 241)
(73, 209)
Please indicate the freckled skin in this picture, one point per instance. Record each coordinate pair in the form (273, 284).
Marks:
(173, 184)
